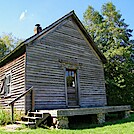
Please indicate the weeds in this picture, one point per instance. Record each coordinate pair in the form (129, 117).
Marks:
(5, 116)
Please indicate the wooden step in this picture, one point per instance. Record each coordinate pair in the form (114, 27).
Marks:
(25, 122)
(29, 117)
(35, 114)
(34, 119)
(29, 124)
(44, 118)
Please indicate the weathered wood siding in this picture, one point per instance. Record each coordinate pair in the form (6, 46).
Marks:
(17, 68)
(46, 74)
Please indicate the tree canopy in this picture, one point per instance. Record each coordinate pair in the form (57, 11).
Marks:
(3, 48)
(113, 37)
(7, 43)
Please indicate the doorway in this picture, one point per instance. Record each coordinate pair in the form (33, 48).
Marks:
(72, 87)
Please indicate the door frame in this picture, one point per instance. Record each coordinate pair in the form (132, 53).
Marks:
(78, 86)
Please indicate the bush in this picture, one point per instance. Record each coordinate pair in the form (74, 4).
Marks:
(5, 117)
(18, 115)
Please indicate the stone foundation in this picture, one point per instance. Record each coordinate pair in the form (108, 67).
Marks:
(62, 122)
(127, 114)
(101, 118)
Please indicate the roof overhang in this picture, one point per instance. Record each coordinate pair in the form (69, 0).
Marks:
(13, 54)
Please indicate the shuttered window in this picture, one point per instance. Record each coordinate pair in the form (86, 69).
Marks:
(2, 86)
(7, 84)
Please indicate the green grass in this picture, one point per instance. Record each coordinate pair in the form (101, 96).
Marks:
(125, 126)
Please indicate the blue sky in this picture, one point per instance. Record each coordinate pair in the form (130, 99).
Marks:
(19, 16)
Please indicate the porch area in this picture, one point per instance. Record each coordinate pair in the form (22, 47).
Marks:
(60, 116)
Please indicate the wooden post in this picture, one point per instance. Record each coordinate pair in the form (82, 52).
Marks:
(32, 99)
(78, 86)
(23, 94)
(12, 112)
(65, 86)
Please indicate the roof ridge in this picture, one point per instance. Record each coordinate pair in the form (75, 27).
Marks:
(46, 29)
(35, 36)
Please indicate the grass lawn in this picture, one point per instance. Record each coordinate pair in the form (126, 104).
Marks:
(124, 126)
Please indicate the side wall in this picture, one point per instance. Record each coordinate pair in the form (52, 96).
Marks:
(47, 59)
(17, 68)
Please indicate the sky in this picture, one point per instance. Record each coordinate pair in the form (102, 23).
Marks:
(20, 16)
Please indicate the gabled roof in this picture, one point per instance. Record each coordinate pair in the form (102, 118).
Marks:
(20, 49)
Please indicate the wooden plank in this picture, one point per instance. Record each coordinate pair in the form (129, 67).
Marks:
(33, 100)
(17, 68)
(95, 110)
(78, 87)
(47, 71)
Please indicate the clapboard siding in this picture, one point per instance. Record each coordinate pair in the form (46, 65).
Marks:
(46, 74)
(17, 68)
(46, 81)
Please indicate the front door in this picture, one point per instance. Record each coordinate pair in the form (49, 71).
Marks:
(72, 89)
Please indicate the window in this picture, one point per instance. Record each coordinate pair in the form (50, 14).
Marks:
(70, 77)
(7, 84)
(2, 85)
(72, 98)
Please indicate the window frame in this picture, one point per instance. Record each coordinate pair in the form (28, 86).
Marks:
(77, 85)
(7, 83)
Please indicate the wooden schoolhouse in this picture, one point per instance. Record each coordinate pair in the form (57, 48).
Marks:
(58, 69)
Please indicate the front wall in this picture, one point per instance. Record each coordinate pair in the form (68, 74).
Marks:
(17, 68)
(46, 73)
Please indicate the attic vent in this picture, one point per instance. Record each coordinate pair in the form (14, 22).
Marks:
(37, 29)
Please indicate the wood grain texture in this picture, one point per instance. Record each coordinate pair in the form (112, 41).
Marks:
(47, 75)
(17, 68)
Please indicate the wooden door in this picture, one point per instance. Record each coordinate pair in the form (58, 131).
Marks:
(72, 89)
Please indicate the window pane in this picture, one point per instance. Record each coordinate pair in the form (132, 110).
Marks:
(66, 73)
(69, 73)
(8, 89)
(9, 78)
(73, 73)
(70, 78)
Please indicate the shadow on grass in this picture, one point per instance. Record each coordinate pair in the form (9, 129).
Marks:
(113, 121)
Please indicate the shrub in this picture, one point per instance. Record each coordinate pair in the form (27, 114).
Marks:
(18, 114)
(5, 117)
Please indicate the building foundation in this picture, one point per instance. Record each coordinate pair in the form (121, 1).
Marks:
(101, 118)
